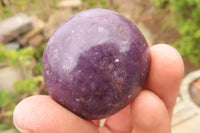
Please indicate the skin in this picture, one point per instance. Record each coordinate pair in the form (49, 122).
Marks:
(150, 112)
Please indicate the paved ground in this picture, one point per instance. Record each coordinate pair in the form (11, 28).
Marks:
(186, 117)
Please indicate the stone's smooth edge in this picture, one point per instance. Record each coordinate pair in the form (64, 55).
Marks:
(136, 37)
(12, 27)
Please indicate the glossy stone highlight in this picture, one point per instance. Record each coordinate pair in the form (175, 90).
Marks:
(96, 63)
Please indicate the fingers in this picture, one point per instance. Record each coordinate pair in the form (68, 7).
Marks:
(165, 74)
(40, 114)
(149, 114)
(164, 80)
(105, 130)
(120, 122)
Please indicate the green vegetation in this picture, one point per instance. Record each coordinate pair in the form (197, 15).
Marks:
(186, 15)
(6, 109)
(22, 57)
(28, 59)
(107, 4)
(30, 85)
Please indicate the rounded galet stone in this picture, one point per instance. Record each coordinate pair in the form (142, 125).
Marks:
(96, 63)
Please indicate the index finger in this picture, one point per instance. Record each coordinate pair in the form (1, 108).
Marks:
(165, 74)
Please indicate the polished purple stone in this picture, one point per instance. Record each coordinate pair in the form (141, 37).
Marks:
(96, 63)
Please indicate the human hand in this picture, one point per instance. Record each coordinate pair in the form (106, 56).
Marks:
(150, 112)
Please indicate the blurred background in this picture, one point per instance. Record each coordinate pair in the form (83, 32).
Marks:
(26, 26)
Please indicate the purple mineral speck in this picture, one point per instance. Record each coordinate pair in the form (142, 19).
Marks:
(96, 63)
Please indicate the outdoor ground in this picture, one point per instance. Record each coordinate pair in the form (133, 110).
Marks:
(157, 27)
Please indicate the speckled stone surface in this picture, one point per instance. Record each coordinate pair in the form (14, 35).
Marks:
(96, 63)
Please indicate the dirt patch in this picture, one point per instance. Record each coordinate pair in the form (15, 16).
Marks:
(145, 13)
